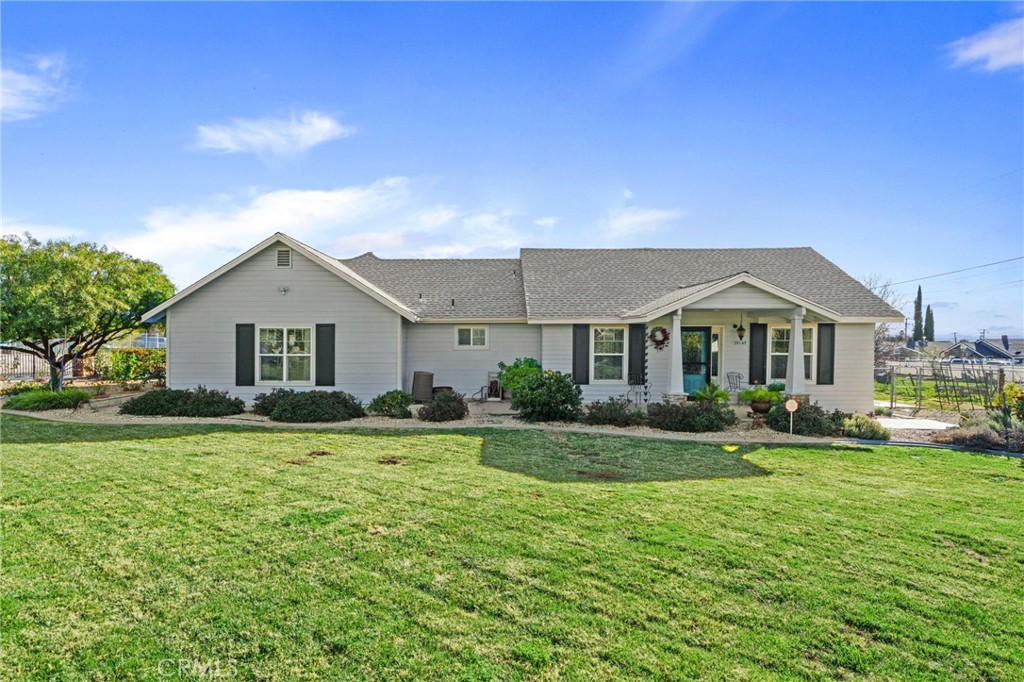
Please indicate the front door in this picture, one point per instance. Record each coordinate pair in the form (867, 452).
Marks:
(696, 349)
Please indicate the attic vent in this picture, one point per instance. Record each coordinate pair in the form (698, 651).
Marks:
(284, 258)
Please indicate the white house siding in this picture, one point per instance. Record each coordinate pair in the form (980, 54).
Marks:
(431, 348)
(853, 390)
(557, 355)
(741, 297)
(201, 347)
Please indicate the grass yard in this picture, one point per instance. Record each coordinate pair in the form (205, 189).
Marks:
(501, 554)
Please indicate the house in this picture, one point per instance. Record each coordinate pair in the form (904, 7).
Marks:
(987, 350)
(285, 315)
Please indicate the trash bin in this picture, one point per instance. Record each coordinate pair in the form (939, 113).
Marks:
(422, 387)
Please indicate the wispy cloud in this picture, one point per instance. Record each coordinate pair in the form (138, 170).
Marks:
(42, 232)
(634, 220)
(1000, 46)
(271, 136)
(547, 221)
(36, 88)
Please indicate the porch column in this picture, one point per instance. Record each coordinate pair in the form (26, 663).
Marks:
(675, 351)
(795, 365)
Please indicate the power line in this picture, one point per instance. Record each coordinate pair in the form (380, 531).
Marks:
(953, 272)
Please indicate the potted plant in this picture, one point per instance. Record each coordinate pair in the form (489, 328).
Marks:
(761, 398)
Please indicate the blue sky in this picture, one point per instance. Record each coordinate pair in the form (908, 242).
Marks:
(889, 137)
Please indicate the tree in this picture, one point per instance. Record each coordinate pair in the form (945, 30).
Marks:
(929, 324)
(918, 323)
(61, 301)
(886, 340)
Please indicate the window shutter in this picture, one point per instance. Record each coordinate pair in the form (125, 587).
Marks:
(637, 354)
(758, 353)
(325, 355)
(581, 353)
(245, 355)
(826, 354)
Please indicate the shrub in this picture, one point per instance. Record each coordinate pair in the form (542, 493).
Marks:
(777, 387)
(710, 393)
(862, 426)
(20, 387)
(614, 411)
(883, 411)
(1014, 400)
(303, 407)
(691, 417)
(548, 396)
(196, 402)
(972, 437)
(45, 399)
(510, 376)
(264, 403)
(445, 407)
(762, 394)
(132, 365)
(809, 420)
(391, 404)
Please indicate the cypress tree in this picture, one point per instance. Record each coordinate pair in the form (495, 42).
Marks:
(918, 320)
(929, 324)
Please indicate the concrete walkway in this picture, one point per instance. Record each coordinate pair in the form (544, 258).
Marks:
(900, 423)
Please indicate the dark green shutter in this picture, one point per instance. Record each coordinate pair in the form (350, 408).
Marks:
(758, 353)
(581, 353)
(826, 354)
(637, 354)
(245, 355)
(325, 355)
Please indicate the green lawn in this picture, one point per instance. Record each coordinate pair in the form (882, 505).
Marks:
(501, 554)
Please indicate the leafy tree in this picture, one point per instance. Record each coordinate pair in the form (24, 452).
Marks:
(929, 324)
(61, 301)
(918, 320)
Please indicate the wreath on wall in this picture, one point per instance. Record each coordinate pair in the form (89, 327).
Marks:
(659, 337)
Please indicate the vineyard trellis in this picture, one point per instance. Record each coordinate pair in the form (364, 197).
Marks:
(952, 387)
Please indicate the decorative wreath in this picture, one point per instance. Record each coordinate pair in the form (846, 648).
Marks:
(659, 337)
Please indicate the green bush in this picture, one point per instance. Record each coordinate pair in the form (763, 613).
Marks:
(614, 411)
(445, 407)
(132, 365)
(303, 407)
(809, 420)
(710, 393)
(510, 376)
(45, 399)
(691, 417)
(391, 404)
(548, 396)
(761, 394)
(862, 426)
(196, 402)
(264, 403)
(21, 387)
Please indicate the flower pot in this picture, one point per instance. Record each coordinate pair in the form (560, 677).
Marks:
(760, 406)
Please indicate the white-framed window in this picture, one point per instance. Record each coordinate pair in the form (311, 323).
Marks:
(608, 353)
(284, 355)
(778, 352)
(475, 337)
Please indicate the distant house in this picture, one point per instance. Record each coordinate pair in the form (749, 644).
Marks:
(987, 350)
(285, 315)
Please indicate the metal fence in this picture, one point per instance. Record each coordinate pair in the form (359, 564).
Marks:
(946, 385)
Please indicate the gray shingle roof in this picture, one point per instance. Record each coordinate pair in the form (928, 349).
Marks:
(481, 287)
(587, 283)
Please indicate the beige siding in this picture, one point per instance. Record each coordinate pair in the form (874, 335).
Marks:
(741, 297)
(201, 348)
(431, 348)
(855, 359)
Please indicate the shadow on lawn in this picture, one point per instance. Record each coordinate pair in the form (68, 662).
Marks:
(574, 457)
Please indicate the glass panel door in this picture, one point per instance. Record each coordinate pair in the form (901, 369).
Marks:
(695, 343)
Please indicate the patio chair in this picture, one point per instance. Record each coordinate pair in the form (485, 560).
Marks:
(734, 379)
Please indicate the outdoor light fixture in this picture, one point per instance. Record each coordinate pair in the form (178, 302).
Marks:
(741, 331)
(283, 290)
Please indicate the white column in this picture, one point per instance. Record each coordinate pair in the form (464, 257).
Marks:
(675, 350)
(795, 365)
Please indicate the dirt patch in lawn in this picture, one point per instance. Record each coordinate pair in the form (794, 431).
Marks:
(395, 461)
(602, 475)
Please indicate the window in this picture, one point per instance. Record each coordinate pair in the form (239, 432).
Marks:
(471, 338)
(285, 354)
(778, 352)
(609, 353)
(284, 258)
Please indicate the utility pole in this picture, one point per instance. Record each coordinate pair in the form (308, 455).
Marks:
(954, 338)
(982, 332)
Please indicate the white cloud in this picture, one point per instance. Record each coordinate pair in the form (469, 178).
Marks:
(34, 90)
(547, 221)
(274, 136)
(9, 226)
(189, 243)
(1000, 46)
(634, 220)
(627, 193)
